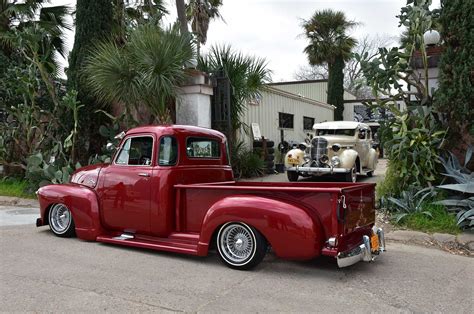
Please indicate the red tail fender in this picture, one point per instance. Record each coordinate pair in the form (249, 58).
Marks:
(81, 201)
(291, 231)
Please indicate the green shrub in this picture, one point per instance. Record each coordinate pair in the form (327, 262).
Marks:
(246, 163)
(439, 220)
(15, 187)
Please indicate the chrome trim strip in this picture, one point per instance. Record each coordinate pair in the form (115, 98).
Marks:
(318, 170)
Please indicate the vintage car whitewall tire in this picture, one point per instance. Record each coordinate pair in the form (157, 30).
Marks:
(60, 221)
(240, 246)
(292, 176)
(351, 176)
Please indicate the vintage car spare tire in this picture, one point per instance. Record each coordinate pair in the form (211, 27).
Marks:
(270, 144)
(240, 246)
(60, 221)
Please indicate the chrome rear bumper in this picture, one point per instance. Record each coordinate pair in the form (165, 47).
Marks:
(318, 170)
(363, 252)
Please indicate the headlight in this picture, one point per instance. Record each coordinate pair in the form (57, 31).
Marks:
(335, 161)
(336, 147)
(323, 159)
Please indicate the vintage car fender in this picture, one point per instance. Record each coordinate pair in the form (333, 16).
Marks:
(81, 201)
(297, 154)
(289, 229)
(348, 158)
(373, 158)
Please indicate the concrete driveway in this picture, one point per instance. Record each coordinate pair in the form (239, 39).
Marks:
(43, 273)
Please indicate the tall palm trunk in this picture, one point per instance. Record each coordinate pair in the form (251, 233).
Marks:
(180, 7)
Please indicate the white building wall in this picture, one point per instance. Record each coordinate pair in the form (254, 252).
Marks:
(316, 90)
(265, 113)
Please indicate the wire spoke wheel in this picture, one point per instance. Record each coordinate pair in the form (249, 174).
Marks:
(60, 220)
(240, 246)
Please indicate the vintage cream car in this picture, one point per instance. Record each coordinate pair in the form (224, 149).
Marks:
(338, 147)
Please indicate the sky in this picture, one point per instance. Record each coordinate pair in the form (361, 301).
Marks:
(272, 28)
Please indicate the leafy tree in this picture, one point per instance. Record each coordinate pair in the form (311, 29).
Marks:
(329, 44)
(413, 138)
(247, 75)
(455, 96)
(147, 70)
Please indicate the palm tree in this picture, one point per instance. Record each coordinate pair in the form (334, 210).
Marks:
(36, 33)
(47, 23)
(247, 75)
(329, 44)
(200, 13)
(147, 70)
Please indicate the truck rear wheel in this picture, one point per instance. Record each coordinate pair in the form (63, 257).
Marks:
(240, 246)
(292, 176)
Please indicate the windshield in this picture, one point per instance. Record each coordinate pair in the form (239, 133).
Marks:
(347, 132)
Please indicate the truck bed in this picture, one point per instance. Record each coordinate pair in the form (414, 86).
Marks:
(324, 201)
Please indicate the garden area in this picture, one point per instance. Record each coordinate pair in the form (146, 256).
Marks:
(126, 67)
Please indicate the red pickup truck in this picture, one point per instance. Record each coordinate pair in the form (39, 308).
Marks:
(171, 188)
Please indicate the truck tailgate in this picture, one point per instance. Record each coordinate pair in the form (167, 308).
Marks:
(359, 208)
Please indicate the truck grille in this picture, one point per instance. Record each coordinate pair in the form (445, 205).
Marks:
(319, 147)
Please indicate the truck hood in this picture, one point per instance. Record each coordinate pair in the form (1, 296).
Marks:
(87, 175)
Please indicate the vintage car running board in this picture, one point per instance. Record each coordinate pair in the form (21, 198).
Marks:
(159, 244)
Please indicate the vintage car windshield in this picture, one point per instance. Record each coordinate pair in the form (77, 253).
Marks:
(347, 132)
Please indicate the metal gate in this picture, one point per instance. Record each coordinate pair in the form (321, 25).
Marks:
(221, 104)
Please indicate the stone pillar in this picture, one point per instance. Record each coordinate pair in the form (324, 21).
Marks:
(193, 104)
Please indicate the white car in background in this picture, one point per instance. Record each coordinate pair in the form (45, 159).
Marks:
(338, 148)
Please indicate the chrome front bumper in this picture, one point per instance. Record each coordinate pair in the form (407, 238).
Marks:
(363, 252)
(318, 170)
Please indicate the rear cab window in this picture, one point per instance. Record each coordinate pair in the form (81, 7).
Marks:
(206, 148)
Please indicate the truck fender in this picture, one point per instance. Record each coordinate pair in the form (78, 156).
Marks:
(289, 229)
(348, 158)
(373, 158)
(81, 201)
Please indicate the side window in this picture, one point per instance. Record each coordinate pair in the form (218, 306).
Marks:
(136, 151)
(168, 155)
(202, 148)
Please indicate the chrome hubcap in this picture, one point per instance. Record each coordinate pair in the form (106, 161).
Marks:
(236, 243)
(60, 218)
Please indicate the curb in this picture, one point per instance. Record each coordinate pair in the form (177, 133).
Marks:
(18, 201)
(462, 244)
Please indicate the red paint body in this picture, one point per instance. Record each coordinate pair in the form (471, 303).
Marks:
(179, 208)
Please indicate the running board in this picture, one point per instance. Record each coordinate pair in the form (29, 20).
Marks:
(158, 244)
(124, 236)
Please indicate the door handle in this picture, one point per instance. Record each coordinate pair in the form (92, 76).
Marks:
(144, 175)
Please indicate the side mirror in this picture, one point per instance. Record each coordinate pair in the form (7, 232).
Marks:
(110, 147)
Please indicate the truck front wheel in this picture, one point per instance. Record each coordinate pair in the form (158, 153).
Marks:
(61, 222)
(240, 246)
(292, 176)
